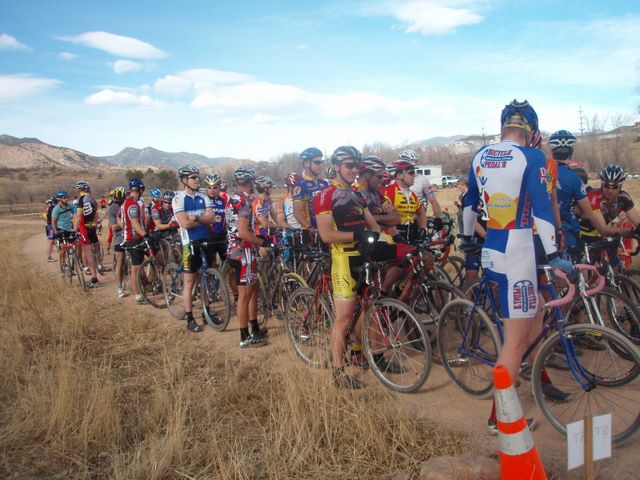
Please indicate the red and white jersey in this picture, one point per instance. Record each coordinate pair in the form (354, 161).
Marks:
(132, 209)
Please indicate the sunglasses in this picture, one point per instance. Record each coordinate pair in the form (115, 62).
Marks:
(194, 177)
(410, 172)
(612, 186)
(167, 202)
(318, 162)
(350, 165)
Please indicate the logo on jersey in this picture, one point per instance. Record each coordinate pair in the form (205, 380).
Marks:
(492, 158)
(524, 296)
(544, 178)
(297, 190)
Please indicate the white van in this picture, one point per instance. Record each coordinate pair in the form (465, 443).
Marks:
(433, 172)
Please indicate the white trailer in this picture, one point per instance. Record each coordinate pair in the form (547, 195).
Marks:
(433, 172)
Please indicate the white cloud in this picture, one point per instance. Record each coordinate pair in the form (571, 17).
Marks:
(429, 17)
(9, 42)
(117, 45)
(173, 85)
(126, 66)
(302, 46)
(17, 87)
(111, 97)
(204, 79)
(67, 55)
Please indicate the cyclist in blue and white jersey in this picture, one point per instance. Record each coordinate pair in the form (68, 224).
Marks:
(193, 211)
(307, 188)
(510, 180)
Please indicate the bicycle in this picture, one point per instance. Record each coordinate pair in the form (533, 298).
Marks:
(602, 379)
(395, 344)
(210, 287)
(70, 264)
(149, 275)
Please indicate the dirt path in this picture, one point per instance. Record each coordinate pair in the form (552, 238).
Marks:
(439, 400)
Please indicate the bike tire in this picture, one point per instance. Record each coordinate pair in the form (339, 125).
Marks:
(454, 268)
(613, 381)
(629, 288)
(79, 272)
(264, 303)
(289, 283)
(615, 309)
(469, 346)
(218, 314)
(308, 321)
(173, 287)
(392, 330)
(149, 280)
(429, 300)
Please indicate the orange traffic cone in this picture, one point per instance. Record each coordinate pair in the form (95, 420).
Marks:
(519, 459)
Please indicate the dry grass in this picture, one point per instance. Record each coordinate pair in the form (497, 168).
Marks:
(94, 392)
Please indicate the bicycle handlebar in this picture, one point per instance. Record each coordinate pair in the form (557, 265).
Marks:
(601, 280)
(570, 292)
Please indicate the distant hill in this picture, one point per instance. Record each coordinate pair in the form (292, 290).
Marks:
(18, 153)
(136, 157)
(437, 141)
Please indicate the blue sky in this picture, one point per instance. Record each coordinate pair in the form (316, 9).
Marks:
(255, 79)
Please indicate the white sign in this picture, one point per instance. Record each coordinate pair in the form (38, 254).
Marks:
(601, 440)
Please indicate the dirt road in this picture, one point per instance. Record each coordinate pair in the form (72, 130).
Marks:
(439, 400)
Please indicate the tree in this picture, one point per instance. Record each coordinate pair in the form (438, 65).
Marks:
(166, 179)
(133, 173)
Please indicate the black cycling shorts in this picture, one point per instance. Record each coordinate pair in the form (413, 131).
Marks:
(137, 254)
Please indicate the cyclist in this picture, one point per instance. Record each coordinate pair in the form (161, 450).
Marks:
(194, 212)
(344, 222)
(609, 201)
(51, 203)
(422, 187)
(307, 188)
(162, 215)
(62, 215)
(262, 207)
(413, 218)
(156, 200)
(471, 259)
(85, 223)
(284, 210)
(118, 196)
(217, 229)
(241, 256)
(509, 178)
(132, 221)
(572, 194)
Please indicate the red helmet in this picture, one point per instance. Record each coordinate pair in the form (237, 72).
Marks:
(401, 165)
(292, 178)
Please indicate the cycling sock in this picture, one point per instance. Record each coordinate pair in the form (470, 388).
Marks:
(356, 348)
(244, 333)
(94, 280)
(544, 377)
(189, 316)
(254, 326)
(492, 417)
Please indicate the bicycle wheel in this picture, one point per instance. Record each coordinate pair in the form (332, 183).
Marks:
(629, 288)
(218, 314)
(66, 269)
(469, 346)
(429, 300)
(78, 270)
(438, 274)
(454, 268)
(308, 320)
(173, 287)
(397, 347)
(149, 280)
(289, 283)
(611, 308)
(600, 381)
(265, 302)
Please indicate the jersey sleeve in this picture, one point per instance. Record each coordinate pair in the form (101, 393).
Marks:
(178, 203)
(323, 203)
(536, 188)
(298, 194)
(470, 207)
(626, 203)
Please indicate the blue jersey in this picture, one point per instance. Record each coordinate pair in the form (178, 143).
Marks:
(62, 217)
(219, 225)
(304, 191)
(510, 182)
(570, 189)
(191, 205)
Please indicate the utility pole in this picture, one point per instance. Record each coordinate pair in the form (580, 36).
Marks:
(484, 142)
(581, 121)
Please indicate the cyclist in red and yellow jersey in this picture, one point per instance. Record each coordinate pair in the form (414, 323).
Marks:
(413, 218)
